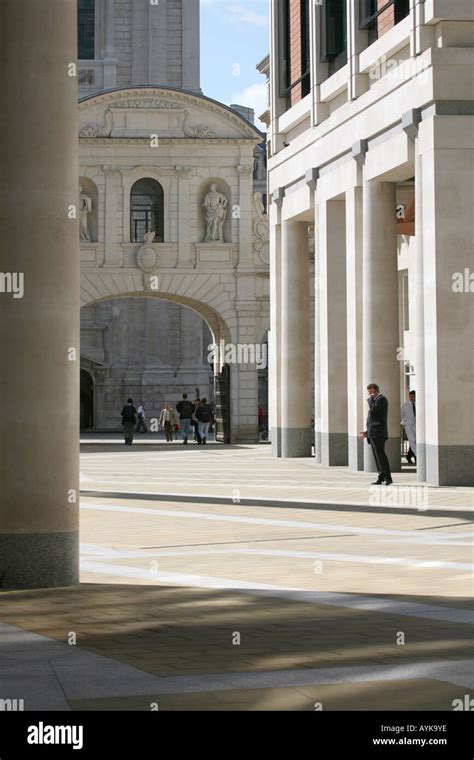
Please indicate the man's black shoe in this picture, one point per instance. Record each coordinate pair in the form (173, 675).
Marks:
(378, 482)
(388, 482)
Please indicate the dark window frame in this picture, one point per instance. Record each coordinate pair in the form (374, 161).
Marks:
(146, 210)
(335, 12)
(86, 13)
(369, 12)
(285, 84)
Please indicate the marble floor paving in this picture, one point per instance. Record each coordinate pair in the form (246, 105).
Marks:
(223, 579)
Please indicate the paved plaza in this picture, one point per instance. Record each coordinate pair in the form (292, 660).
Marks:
(220, 578)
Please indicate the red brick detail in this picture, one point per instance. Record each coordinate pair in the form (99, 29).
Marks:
(386, 20)
(295, 50)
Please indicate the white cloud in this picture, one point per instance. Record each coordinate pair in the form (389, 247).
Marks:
(240, 14)
(254, 96)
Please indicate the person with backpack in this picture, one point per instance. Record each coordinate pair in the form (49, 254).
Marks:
(204, 418)
(185, 410)
(129, 420)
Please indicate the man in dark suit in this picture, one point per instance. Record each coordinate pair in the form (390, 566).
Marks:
(377, 433)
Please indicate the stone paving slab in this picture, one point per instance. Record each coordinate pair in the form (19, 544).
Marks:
(318, 588)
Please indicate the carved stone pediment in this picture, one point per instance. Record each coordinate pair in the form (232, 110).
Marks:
(164, 112)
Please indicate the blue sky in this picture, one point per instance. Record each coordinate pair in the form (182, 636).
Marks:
(234, 38)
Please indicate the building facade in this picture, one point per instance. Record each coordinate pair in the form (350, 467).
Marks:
(174, 255)
(370, 139)
(151, 146)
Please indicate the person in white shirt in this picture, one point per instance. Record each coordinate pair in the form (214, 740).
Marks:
(408, 420)
(141, 427)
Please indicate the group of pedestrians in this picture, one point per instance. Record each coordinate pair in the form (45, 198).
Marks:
(376, 431)
(197, 414)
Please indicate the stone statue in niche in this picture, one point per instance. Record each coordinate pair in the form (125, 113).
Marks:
(149, 237)
(85, 208)
(215, 211)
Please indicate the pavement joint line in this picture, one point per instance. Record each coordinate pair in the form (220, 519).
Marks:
(260, 552)
(335, 599)
(299, 524)
(250, 501)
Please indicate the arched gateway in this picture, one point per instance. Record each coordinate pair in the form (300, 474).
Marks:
(168, 212)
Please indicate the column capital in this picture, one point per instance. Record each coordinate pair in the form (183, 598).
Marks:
(410, 121)
(311, 177)
(359, 149)
(278, 195)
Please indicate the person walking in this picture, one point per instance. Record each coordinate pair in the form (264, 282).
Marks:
(195, 423)
(408, 420)
(129, 419)
(185, 410)
(377, 433)
(204, 418)
(168, 420)
(141, 426)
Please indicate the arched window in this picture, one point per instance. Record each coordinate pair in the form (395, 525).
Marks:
(146, 210)
(85, 29)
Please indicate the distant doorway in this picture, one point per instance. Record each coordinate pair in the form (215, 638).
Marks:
(87, 401)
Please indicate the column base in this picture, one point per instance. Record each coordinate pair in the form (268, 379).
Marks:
(39, 560)
(421, 462)
(296, 442)
(317, 447)
(356, 452)
(393, 452)
(274, 435)
(334, 449)
(450, 465)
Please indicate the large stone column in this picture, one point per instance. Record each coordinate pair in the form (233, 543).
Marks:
(274, 335)
(295, 342)
(447, 151)
(380, 327)
(39, 332)
(419, 323)
(333, 332)
(355, 390)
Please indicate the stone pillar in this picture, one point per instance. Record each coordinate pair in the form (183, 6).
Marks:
(419, 323)
(317, 337)
(295, 342)
(109, 62)
(445, 143)
(185, 252)
(355, 390)
(333, 332)
(39, 332)
(245, 214)
(274, 373)
(113, 251)
(191, 46)
(380, 331)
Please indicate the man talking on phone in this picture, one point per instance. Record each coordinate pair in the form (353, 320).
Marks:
(377, 433)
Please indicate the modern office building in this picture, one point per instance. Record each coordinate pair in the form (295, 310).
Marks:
(371, 140)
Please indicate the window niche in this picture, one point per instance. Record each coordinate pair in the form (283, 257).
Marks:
(146, 211)
(88, 211)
